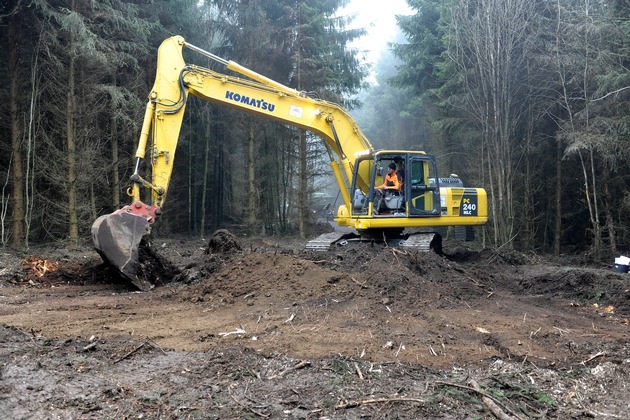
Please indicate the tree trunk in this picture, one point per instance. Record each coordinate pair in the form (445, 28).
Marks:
(251, 182)
(17, 185)
(29, 184)
(191, 221)
(301, 192)
(592, 209)
(529, 212)
(204, 183)
(222, 197)
(286, 173)
(73, 229)
(558, 225)
(302, 186)
(115, 170)
(597, 230)
(610, 221)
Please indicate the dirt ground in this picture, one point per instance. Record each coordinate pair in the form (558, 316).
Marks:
(264, 329)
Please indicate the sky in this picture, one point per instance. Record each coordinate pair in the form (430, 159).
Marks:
(378, 18)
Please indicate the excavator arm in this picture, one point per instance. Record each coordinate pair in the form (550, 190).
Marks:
(257, 95)
(117, 236)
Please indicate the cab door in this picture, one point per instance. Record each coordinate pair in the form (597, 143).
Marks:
(362, 185)
(422, 187)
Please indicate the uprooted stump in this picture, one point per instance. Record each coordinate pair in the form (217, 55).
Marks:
(153, 269)
(223, 241)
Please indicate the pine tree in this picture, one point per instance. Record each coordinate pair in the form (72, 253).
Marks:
(81, 46)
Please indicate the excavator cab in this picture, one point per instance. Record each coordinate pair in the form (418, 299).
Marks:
(419, 196)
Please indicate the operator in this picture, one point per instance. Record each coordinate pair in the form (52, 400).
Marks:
(391, 184)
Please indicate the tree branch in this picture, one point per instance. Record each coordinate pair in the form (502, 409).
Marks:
(15, 10)
(352, 404)
(611, 93)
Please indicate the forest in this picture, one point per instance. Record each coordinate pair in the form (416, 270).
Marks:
(527, 99)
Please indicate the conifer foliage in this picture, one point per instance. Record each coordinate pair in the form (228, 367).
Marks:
(79, 72)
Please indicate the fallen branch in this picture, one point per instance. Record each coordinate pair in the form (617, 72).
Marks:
(236, 331)
(131, 352)
(401, 252)
(533, 333)
(353, 404)
(245, 406)
(363, 286)
(492, 406)
(300, 365)
(325, 262)
(561, 331)
(147, 341)
(599, 354)
(154, 344)
(484, 395)
(356, 366)
(32, 336)
(397, 251)
(90, 346)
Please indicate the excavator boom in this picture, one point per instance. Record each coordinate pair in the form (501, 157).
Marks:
(118, 236)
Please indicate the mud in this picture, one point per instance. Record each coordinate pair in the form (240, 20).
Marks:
(243, 328)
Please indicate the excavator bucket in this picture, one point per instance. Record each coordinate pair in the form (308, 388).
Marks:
(117, 237)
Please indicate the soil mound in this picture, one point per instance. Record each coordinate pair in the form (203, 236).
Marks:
(223, 241)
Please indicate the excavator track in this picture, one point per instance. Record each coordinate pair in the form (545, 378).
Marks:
(325, 241)
(424, 242)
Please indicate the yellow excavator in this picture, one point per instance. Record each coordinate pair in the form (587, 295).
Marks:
(424, 201)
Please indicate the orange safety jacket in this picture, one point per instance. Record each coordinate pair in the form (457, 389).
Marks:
(391, 182)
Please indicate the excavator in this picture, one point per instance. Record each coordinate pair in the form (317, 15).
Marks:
(422, 204)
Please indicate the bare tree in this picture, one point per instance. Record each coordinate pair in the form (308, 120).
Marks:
(589, 130)
(491, 41)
